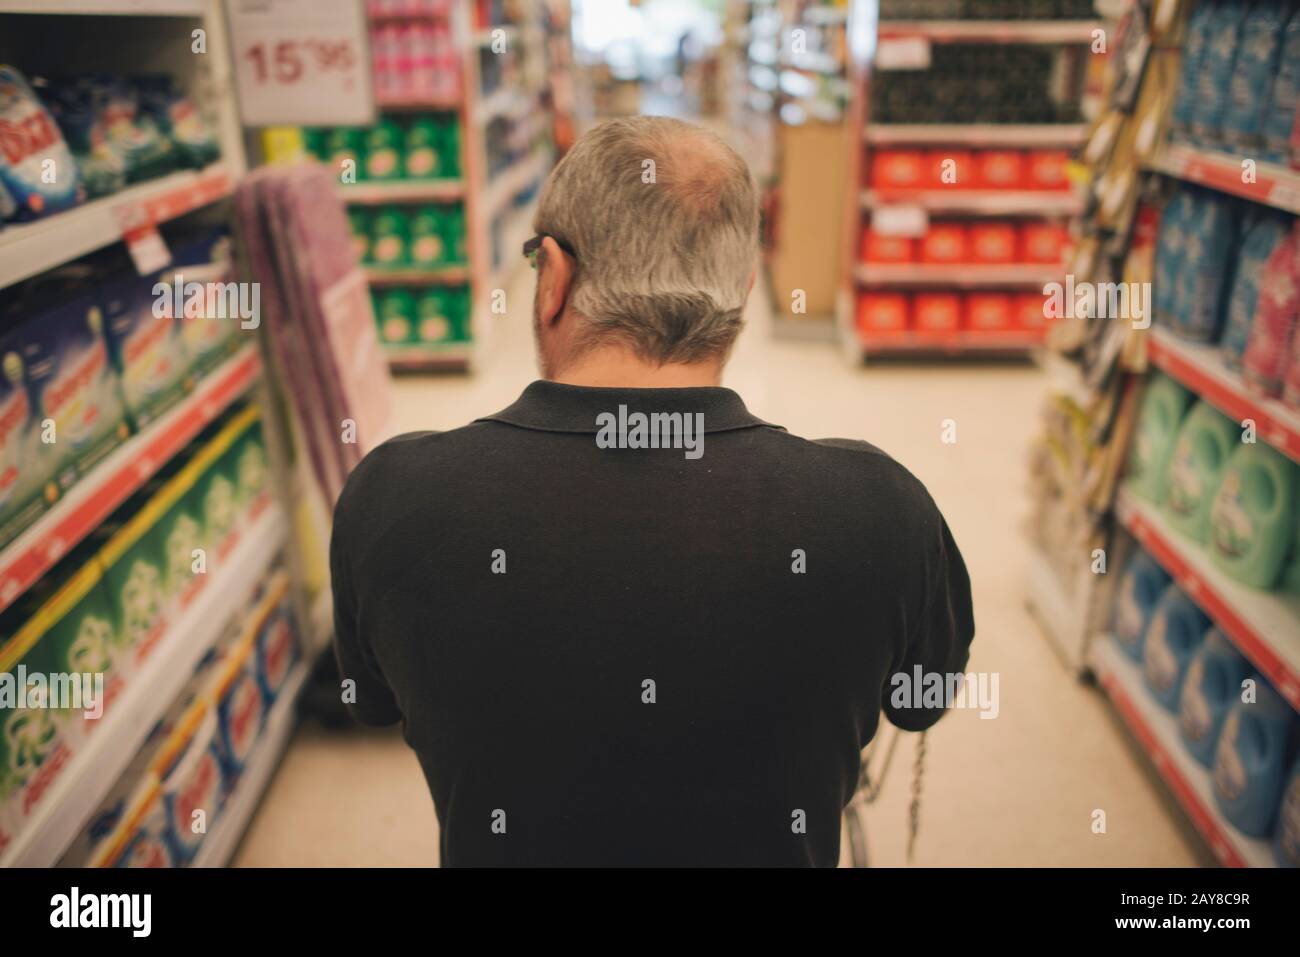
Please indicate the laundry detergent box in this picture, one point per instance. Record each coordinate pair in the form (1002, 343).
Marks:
(213, 327)
(194, 784)
(75, 384)
(216, 487)
(1262, 233)
(62, 680)
(28, 465)
(252, 472)
(241, 708)
(275, 648)
(31, 145)
(145, 344)
(135, 562)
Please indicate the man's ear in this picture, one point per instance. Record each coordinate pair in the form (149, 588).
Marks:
(554, 278)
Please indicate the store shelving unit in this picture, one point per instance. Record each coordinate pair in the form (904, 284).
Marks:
(1200, 369)
(961, 276)
(28, 249)
(1157, 732)
(1273, 185)
(1264, 625)
(486, 198)
(119, 36)
(977, 202)
(118, 735)
(218, 848)
(865, 35)
(95, 497)
(975, 134)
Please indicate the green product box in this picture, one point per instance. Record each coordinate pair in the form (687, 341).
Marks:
(252, 470)
(453, 233)
(422, 150)
(359, 224)
(428, 246)
(384, 151)
(395, 314)
(449, 148)
(389, 238)
(435, 322)
(67, 635)
(345, 151)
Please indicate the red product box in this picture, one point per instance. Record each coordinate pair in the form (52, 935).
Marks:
(887, 249)
(992, 243)
(936, 313)
(945, 243)
(883, 313)
(999, 169)
(898, 169)
(1043, 242)
(1030, 312)
(949, 169)
(989, 312)
(1046, 169)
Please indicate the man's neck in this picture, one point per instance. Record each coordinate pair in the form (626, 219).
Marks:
(614, 368)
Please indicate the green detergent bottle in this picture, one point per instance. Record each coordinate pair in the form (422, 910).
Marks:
(1205, 441)
(1252, 520)
(1163, 407)
(1291, 573)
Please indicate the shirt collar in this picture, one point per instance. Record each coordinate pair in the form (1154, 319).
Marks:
(556, 407)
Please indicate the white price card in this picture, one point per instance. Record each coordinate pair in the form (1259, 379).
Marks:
(903, 53)
(301, 62)
(910, 221)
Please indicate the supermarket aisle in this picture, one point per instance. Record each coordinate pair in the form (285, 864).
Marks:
(1017, 790)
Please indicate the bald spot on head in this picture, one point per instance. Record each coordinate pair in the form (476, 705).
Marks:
(694, 166)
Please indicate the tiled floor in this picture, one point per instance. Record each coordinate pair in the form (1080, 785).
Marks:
(1017, 790)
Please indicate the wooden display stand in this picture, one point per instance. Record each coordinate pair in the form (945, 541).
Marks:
(806, 256)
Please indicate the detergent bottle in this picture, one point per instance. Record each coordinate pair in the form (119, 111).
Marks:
(1176, 630)
(1140, 588)
(1205, 441)
(1286, 836)
(1212, 684)
(1250, 760)
(1252, 519)
(1162, 411)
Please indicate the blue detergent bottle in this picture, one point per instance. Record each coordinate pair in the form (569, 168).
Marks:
(1251, 760)
(1253, 70)
(1205, 441)
(1213, 233)
(1176, 630)
(1284, 95)
(1214, 72)
(1140, 588)
(1195, 47)
(1164, 403)
(1212, 685)
(1253, 516)
(1171, 254)
(1286, 835)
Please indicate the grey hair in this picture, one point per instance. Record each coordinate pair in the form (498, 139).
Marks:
(662, 218)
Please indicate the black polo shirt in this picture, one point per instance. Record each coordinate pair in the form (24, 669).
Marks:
(616, 655)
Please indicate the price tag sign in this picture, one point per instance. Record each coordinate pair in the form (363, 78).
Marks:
(143, 241)
(903, 53)
(911, 221)
(301, 62)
